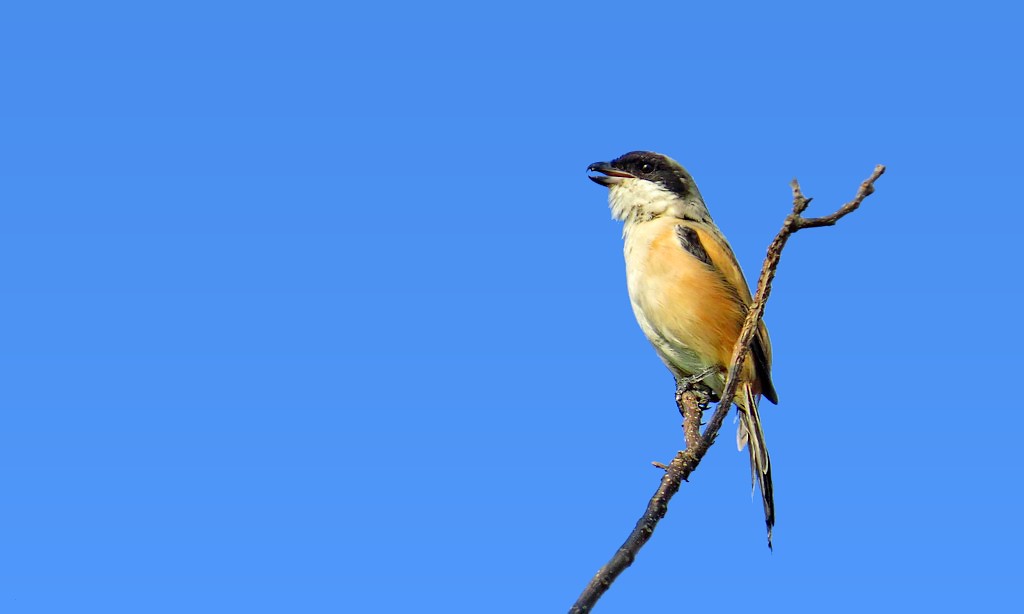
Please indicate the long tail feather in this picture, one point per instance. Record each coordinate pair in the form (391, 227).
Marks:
(750, 432)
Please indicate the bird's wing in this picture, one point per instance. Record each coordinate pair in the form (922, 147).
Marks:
(724, 261)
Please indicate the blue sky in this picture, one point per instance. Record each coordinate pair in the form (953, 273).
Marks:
(312, 308)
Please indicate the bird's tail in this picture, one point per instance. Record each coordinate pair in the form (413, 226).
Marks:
(750, 432)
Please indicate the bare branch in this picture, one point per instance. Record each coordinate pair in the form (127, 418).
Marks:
(692, 402)
(867, 188)
(792, 224)
(678, 471)
(692, 409)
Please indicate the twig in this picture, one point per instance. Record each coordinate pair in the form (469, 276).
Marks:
(794, 222)
(691, 406)
(692, 409)
(676, 473)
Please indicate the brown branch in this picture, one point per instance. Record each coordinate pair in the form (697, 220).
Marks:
(794, 222)
(692, 402)
(692, 407)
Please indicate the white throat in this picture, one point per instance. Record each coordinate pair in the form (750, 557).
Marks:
(636, 200)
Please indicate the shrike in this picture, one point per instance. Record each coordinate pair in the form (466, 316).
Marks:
(688, 292)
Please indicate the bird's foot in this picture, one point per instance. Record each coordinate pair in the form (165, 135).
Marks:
(688, 383)
(695, 385)
(704, 396)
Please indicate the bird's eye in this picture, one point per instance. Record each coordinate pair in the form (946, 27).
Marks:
(646, 167)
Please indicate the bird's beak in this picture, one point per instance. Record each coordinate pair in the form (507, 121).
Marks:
(610, 175)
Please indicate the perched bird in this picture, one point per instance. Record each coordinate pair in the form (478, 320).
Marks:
(688, 292)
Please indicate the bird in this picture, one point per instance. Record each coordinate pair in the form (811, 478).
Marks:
(688, 292)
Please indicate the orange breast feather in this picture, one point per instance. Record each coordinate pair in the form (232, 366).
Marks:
(698, 305)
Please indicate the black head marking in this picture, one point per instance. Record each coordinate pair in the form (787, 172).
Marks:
(656, 168)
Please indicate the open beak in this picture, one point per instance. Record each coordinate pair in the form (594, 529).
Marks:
(609, 176)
